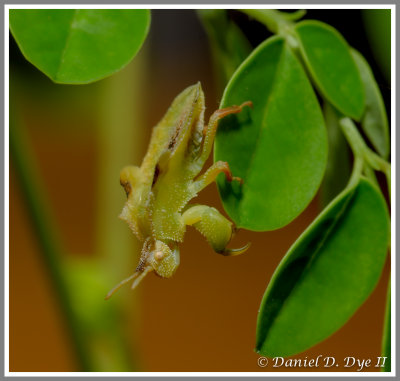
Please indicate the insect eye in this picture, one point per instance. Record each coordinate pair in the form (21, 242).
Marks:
(159, 255)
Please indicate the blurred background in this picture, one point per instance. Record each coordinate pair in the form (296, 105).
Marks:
(76, 139)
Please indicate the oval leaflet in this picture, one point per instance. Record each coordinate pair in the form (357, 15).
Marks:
(77, 46)
(327, 273)
(278, 148)
(331, 66)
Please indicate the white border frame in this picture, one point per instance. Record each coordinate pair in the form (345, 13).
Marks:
(7, 7)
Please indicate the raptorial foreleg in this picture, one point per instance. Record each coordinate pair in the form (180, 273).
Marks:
(214, 226)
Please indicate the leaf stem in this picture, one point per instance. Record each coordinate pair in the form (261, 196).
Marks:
(370, 174)
(46, 232)
(356, 173)
(268, 17)
(386, 339)
(120, 137)
(277, 22)
(361, 150)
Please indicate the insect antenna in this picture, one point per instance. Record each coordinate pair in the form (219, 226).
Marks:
(141, 276)
(137, 276)
(119, 285)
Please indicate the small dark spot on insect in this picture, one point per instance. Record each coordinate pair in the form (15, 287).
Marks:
(155, 176)
(127, 186)
(174, 138)
(172, 143)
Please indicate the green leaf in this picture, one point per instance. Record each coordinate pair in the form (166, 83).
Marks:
(331, 65)
(98, 323)
(327, 274)
(337, 172)
(78, 46)
(374, 121)
(229, 45)
(386, 342)
(279, 147)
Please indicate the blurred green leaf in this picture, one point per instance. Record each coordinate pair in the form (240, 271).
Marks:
(100, 323)
(327, 274)
(328, 58)
(229, 45)
(374, 121)
(338, 166)
(77, 46)
(279, 147)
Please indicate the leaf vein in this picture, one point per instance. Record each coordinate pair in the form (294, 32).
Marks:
(263, 126)
(67, 41)
(313, 256)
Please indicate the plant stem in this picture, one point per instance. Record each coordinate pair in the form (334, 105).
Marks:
(121, 136)
(361, 150)
(277, 22)
(45, 229)
(370, 174)
(269, 17)
(386, 341)
(356, 173)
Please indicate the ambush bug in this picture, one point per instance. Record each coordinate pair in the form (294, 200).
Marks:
(158, 192)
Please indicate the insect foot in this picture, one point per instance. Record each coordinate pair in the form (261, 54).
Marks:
(158, 192)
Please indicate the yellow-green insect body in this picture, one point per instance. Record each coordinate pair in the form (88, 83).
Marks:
(158, 192)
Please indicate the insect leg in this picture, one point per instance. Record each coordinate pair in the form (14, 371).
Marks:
(214, 226)
(210, 130)
(211, 174)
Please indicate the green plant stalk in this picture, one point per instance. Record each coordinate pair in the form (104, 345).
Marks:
(386, 341)
(358, 166)
(45, 229)
(275, 21)
(121, 139)
(370, 174)
(120, 144)
(361, 150)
